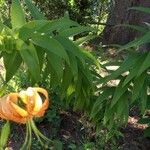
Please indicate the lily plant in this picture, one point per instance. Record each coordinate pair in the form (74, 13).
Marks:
(46, 50)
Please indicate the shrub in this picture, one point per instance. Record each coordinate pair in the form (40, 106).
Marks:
(113, 104)
(44, 49)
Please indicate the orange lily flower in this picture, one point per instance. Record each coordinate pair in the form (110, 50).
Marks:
(23, 106)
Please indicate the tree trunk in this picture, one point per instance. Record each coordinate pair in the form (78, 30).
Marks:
(121, 15)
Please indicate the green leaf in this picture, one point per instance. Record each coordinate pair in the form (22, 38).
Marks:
(50, 44)
(12, 62)
(17, 14)
(138, 86)
(35, 13)
(41, 56)
(122, 105)
(29, 56)
(98, 105)
(145, 65)
(126, 65)
(57, 64)
(126, 109)
(134, 70)
(44, 26)
(120, 90)
(91, 58)
(47, 70)
(147, 25)
(139, 41)
(70, 91)
(109, 115)
(74, 31)
(58, 25)
(58, 145)
(80, 99)
(2, 26)
(142, 9)
(147, 132)
(26, 31)
(3, 89)
(86, 74)
(73, 65)
(148, 102)
(71, 48)
(4, 134)
(66, 81)
(145, 120)
(143, 97)
(84, 39)
(54, 81)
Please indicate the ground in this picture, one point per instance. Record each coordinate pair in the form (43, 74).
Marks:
(72, 131)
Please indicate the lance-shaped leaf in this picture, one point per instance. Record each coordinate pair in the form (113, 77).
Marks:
(12, 62)
(143, 96)
(57, 64)
(60, 24)
(147, 132)
(70, 47)
(73, 65)
(29, 56)
(144, 120)
(142, 9)
(134, 70)
(138, 86)
(100, 100)
(35, 13)
(17, 14)
(50, 44)
(4, 134)
(75, 30)
(142, 40)
(118, 93)
(126, 65)
(145, 65)
(26, 31)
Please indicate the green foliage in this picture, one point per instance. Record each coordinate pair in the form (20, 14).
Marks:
(17, 15)
(5, 131)
(142, 9)
(44, 51)
(113, 103)
(47, 52)
(34, 10)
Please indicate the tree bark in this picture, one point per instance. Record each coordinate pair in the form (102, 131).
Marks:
(121, 15)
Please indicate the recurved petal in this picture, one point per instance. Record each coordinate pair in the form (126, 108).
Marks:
(5, 112)
(24, 97)
(41, 90)
(3, 102)
(19, 110)
(41, 112)
(13, 97)
(44, 105)
(30, 105)
(38, 102)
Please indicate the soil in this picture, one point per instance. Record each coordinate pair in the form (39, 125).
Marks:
(133, 136)
(72, 131)
(133, 133)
